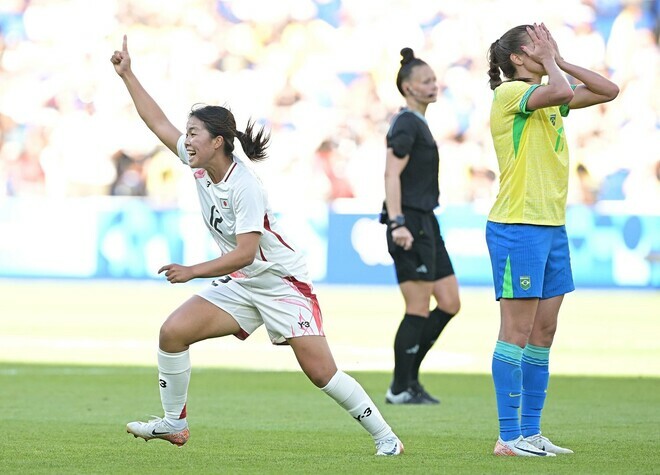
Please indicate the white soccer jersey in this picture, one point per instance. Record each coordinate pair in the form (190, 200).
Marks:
(238, 204)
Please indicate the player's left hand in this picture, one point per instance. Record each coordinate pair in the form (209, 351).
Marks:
(177, 274)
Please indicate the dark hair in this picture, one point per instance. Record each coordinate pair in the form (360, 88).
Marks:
(408, 62)
(499, 55)
(219, 121)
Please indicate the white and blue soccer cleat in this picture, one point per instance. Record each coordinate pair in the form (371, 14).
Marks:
(519, 448)
(389, 446)
(544, 443)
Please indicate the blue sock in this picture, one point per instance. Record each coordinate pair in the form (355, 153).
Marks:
(535, 377)
(507, 378)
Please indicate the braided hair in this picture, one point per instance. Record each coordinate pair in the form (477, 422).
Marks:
(499, 55)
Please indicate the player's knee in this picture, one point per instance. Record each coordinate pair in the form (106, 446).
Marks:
(168, 336)
(543, 335)
(320, 376)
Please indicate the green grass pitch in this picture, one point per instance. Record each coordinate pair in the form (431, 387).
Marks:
(77, 361)
(70, 419)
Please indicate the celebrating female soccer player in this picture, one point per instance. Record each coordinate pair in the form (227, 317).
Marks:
(525, 231)
(423, 267)
(260, 277)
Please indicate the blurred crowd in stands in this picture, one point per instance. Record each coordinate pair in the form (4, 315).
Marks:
(320, 75)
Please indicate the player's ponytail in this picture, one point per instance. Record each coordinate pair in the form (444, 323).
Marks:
(499, 55)
(220, 122)
(494, 71)
(254, 145)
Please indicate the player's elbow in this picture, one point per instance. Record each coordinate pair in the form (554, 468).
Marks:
(246, 260)
(564, 95)
(612, 92)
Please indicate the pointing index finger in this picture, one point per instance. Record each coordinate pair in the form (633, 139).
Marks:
(124, 46)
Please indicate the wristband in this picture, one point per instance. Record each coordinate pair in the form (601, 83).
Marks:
(398, 221)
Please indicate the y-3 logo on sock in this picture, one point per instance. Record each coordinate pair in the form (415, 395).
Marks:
(162, 383)
(366, 413)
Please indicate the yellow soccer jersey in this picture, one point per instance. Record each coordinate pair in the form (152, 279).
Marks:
(533, 158)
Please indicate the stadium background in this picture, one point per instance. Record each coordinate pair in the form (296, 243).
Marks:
(89, 199)
(87, 191)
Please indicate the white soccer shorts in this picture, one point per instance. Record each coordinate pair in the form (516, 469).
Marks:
(287, 307)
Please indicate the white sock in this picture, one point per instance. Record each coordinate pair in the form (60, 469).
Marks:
(173, 379)
(348, 393)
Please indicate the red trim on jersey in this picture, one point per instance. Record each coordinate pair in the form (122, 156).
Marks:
(261, 252)
(231, 170)
(241, 334)
(306, 290)
(279, 238)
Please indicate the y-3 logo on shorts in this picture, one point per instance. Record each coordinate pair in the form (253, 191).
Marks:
(525, 282)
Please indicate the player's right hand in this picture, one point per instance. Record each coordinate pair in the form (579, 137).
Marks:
(555, 48)
(121, 60)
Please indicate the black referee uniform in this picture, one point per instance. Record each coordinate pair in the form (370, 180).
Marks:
(428, 260)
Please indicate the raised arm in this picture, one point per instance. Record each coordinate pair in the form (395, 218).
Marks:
(595, 88)
(147, 108)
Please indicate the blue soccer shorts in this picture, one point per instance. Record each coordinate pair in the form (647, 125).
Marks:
(529, 261)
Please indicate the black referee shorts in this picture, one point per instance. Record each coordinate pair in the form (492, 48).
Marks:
(428, 259)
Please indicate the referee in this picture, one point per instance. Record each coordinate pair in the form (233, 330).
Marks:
(422, 264)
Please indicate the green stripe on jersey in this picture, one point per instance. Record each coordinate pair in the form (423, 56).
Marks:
(518, 126)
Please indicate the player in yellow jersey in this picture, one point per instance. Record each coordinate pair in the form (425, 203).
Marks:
(525, 232)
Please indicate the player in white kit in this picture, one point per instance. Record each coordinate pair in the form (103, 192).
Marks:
(260, 278)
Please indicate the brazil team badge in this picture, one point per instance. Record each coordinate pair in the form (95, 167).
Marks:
(525, 282)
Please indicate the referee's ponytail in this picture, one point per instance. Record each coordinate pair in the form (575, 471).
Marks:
(408, 62)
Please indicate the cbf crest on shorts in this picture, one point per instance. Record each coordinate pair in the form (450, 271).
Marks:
(525, 282)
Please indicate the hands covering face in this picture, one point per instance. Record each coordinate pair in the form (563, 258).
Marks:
(543, 46)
